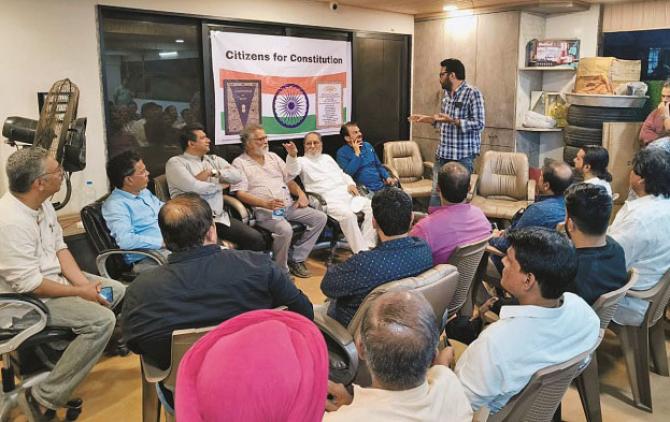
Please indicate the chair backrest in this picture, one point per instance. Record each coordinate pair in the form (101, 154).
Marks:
(101, 238)
(182, 340)
(659, 300)
(438, 286)
(504, 175)
(405, 158)
(96, 227)
(161, 188)
(540, 398)
(606, 304)
(467, 259)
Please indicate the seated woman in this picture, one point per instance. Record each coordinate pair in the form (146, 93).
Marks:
(230, 374)
(591, 161)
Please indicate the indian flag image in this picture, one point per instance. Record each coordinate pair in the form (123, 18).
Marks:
(288, 104)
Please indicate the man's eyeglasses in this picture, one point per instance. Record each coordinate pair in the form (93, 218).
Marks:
(144, 172)
(59, 171)
(443, 73)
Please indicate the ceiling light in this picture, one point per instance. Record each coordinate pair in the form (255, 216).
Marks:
(165, 54)
(450, 8)
(179, 41)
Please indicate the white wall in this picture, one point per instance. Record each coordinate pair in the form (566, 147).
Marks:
(580, 25)
(43, 41)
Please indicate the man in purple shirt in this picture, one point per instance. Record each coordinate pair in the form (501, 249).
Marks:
(455, 223)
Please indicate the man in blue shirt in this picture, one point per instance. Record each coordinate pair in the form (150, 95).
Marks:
(460, 120)
(397, 256)
(548, 211)
(131, 210)
(359, 160)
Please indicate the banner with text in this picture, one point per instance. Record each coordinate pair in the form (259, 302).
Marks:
(288, 85)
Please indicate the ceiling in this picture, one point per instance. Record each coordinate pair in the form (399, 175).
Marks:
(425, 7)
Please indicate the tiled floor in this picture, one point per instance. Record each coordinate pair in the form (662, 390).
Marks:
(112, 392)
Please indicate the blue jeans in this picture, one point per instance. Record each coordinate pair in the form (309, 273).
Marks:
(437, 165)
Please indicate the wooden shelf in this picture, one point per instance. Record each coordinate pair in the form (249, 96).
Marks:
(553, 68)
(536, 129)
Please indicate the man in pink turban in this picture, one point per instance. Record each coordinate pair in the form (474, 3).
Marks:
(263, 365)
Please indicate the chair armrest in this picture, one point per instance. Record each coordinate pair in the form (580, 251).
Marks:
(101, 260)
(317, 201)
(428, 169)
(151, 373)
(645, 294)
(19, 335)
(392, 170)
(531, 190)
(472, 190)
(238, 207)
(336, 333)
(493, 251)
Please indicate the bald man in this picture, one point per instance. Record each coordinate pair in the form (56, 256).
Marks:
(547, 211)
(398, 340)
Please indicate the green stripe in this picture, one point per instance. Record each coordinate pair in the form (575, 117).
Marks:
(272, 127)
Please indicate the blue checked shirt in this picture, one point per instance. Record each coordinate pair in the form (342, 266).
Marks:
(457, 142)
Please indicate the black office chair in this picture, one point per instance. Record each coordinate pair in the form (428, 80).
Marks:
(110, 260)
(29, 350)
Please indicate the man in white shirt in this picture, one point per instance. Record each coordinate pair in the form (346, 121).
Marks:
(641, 227)
(207, 175)
(322, 175)
(267, 185)
(398, 340)
(34, 259)
(548, 326)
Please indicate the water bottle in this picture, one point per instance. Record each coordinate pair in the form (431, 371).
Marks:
(280, 213)
(89, 193)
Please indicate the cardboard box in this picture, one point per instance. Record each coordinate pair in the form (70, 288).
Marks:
(602, 75)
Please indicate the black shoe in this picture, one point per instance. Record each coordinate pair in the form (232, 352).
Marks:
(299, 269)
(31, 405)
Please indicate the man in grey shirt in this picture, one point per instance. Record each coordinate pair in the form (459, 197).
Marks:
(207, 175)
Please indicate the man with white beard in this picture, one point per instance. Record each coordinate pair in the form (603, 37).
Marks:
(322, 175)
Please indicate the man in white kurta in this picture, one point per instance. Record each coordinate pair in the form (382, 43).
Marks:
(320, 174)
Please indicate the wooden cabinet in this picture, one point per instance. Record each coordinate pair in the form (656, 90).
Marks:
(487, 45)
(495, 72)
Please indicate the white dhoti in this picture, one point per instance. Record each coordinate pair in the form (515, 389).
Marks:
(323, 176)
(359, 238)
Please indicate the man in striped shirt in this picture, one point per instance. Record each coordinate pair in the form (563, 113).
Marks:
(461, 121)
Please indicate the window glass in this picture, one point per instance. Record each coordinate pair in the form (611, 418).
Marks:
(153, 77)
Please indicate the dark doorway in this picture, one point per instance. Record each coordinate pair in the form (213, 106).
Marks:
(381, 78)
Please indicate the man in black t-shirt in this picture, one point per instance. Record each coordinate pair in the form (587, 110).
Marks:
(601, 263)
(201, 285)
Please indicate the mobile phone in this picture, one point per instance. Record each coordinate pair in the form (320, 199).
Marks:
(107, 293)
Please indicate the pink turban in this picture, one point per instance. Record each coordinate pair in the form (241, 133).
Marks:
(264, 365)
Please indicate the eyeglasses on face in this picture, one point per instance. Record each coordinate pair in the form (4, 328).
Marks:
(59, 171)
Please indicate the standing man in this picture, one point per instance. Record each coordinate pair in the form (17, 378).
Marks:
(461, 121)
(207, 175)
(34, 259)
(266, 185)
(359, 160)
